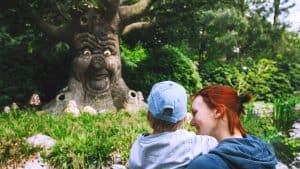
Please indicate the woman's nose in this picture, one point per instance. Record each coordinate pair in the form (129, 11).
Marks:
(192, 123)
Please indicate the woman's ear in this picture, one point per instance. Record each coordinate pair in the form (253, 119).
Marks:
(220, 111)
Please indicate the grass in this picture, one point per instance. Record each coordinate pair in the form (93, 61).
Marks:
(82, 142)
(88, 140)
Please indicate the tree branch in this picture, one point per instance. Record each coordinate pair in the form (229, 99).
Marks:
(59, 33)
(59, 8)
(135, 26)
(123, 1)
(129, 13)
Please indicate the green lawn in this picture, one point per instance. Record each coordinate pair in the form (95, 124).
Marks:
(86, 141)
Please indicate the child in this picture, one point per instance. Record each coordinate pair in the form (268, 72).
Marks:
(167, 146)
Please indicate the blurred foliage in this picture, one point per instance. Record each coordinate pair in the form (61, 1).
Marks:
(14, 151)
(87, 141)
(230, 42)
(167, 63)
(29, 64)
(81, 142)
(263, 77)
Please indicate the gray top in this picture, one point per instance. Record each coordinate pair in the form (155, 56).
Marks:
(168, 149)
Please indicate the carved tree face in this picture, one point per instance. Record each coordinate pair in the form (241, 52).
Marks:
(97, 64)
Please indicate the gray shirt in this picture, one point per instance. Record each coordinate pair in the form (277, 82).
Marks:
(168, 150)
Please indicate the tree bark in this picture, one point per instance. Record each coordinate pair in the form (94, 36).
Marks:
(135, 26)
(276, 6)
(96, 78)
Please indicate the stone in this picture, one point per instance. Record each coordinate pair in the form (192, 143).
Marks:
(89, 109)
(35, 100)
(14, 106)
(296, 126)
(42, 141)
(36, 163)
(262, 109)
(6, 109)
(115, 158)
(294, 132)
(296, 92)
(72, 108)
(140, 96)
(297, 107)
(281, 165)
(135, 102)
(117, 166)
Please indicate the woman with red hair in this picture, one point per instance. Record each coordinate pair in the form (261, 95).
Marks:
(216, 112)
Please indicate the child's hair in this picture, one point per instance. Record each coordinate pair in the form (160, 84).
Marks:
(161, 125)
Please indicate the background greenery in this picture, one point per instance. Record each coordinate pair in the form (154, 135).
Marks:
(207, 42)
(88, 140)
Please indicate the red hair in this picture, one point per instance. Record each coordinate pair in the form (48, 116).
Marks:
(227, 102)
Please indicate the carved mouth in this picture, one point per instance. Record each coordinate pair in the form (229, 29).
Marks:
(97, 84)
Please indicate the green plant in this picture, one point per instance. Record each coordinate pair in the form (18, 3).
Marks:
(82, 142)
(14, 151)
(167, 63)
(261, 127)
(262, 77)
(293, 144)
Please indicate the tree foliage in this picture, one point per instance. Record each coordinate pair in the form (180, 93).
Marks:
(213, 31)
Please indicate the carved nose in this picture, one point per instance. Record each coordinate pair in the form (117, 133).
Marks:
(98, 62)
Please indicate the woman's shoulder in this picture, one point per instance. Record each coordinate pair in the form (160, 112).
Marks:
(208, 161)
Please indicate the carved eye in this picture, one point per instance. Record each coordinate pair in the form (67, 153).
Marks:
(84, 20)
(107, 52)
(87, 52)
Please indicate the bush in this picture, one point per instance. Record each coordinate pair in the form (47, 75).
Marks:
(263, 77)
(35, 67)
(167, 63)
(82, 142)
(294, 75)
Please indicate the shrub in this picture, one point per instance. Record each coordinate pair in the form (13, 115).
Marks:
(167, 63)
(35, 66)
(294, 75)
(263, 77)
(82, 142)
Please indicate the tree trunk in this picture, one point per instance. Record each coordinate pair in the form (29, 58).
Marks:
(96, 78)
(276, 5)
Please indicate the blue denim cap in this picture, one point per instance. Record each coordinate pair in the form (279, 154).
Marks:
(167, 94)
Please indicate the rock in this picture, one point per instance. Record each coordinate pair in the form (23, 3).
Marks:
(263, 109)
(280, 165)
(295, 131)
(14, 106)
(297, 107)
(296, 163)
(140, 96)
(36, 163)
(35, 100)
(41, 140)
(296, 92)
(6, 109)
(135, 102)
(117, 166)
(296, 125)
(72, 108)
(89, 109)
(115, 158)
